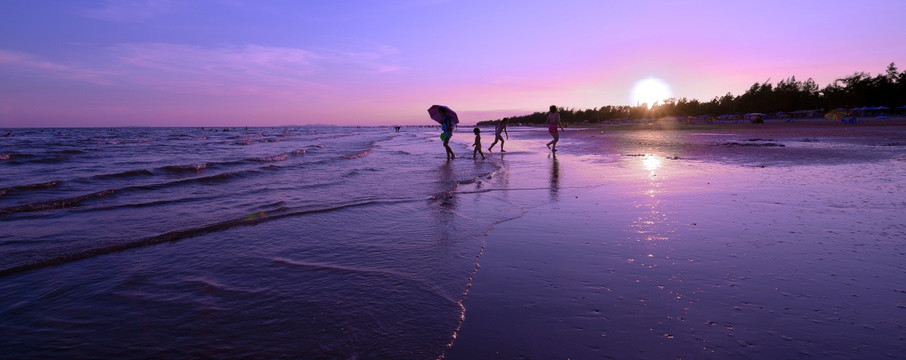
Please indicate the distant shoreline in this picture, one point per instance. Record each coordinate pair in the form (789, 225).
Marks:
(769, 123)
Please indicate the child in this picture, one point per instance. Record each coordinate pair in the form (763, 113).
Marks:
(553, 121)
(477, 143)
(501, 128)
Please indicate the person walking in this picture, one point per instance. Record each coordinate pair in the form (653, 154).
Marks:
(500, 128)
(477, 143)
(446, 126)
(553, 122)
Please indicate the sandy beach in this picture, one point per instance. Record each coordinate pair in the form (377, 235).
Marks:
(715, 241)
(655, 240)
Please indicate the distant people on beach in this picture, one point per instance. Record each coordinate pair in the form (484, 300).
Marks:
(477, 143)
(553, 122)
(500, 128)
(446, 125)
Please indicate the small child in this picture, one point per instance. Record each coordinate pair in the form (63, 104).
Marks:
(477, 143)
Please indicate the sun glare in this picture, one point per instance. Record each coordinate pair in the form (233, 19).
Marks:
(652, 162)
(650, 91)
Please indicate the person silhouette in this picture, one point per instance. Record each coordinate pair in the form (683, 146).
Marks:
(553, 121)
(446, 126)
(500, 128)
(477, 143)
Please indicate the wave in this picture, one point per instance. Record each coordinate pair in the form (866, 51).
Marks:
(356, 172)
(44, 158)
(280, 157)
(338, 136)
(216, 178)
(36, 262)
(51, 160)
(198, 167)
(767, 144)
(124, 174)
(280, 205)
(19, 158)
(367, 271)
(181, 169)
(55, 204)
(362, 153)
(31, 187)
(72, 151)
(187, 137)
(117, 142)
(78, 200)
(332, 267)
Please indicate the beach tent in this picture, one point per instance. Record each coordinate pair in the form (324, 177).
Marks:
(756, 118)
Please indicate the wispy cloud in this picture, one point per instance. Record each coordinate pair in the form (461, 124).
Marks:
(248, 69)
(225, 70)
(36, 65)
(251, 60)
(130, 10)
(372, 60)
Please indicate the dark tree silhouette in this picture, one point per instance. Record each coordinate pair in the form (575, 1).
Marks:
(789, 95)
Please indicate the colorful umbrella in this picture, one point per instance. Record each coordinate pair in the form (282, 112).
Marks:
(836, 115)
(434, 112)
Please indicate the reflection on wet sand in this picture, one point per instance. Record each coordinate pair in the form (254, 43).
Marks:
(653, 224)
(555, 176)
(445, 199)
(675, 246)
(652, 163)
(445, 194)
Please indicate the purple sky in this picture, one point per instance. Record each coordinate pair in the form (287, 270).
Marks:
(260, 62)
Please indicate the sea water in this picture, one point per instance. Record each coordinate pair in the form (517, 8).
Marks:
(323, 242)
(308, 242)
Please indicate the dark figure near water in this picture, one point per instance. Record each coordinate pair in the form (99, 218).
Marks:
(500, 128)
(553, 122)
(447, 126)
(477, 143)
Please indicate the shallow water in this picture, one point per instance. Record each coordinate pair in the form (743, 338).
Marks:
(300, 242)
(365, 243)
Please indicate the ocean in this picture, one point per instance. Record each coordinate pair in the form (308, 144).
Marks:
(308, 242)
(651, 240)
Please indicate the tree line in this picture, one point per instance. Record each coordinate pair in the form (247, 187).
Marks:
(860, 89)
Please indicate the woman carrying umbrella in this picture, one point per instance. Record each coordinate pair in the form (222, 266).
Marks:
(448, 120)
(446, 125)
(553, 121)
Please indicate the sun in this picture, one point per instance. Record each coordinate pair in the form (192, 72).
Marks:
(650, 91)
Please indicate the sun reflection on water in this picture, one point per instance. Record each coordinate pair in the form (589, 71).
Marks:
(651, 163)
(653, 224)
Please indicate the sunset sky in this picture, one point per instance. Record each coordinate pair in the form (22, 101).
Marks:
(274, 62)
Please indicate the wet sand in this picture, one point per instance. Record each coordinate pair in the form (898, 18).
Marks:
(718, 241)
